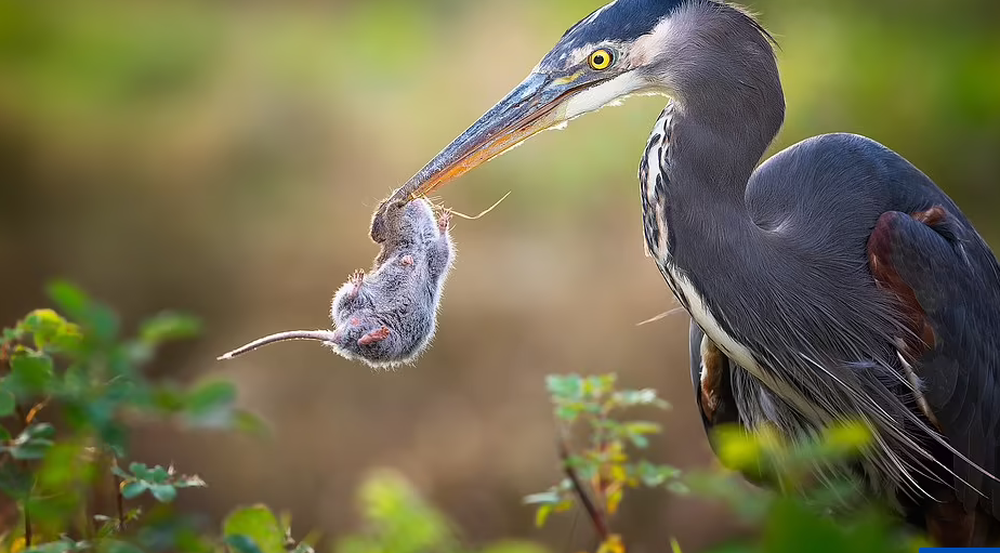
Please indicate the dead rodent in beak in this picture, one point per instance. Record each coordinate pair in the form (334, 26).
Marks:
(388, 316)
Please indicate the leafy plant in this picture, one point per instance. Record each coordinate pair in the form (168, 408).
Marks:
(73, 369)
(816, 504)
(599, 473)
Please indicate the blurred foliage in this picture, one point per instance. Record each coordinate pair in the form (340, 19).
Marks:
(919, 76)
(397, 520)
(78, 369)
(73, 369)
(812, 501)
(817, 505)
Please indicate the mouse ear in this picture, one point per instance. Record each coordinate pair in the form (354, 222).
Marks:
(374, 337)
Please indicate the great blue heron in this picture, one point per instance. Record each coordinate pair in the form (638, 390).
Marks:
(833, 281)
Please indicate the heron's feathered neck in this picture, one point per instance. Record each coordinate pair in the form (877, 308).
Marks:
(719, 66)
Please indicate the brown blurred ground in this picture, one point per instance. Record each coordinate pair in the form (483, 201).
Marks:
(223, 159)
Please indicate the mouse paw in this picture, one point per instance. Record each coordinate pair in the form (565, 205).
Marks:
(406, 260)
(374, 337)
(357, 279)
(444, 221)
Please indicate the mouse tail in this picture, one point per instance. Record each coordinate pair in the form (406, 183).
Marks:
(314, 335)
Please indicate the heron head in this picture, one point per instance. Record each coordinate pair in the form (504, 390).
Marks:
(625, 48)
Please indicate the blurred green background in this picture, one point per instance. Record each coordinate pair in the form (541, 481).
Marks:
(223, 158)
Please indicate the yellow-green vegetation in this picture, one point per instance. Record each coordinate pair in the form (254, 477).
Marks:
(72, 388)
(819, 507)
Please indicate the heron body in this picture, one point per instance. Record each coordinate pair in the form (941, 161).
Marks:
(833, 281)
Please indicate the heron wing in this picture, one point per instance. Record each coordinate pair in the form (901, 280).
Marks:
(942, 264)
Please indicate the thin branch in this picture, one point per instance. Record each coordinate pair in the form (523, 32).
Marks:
(119, 499)
(595, 514)
(27, 497)
(27, 525)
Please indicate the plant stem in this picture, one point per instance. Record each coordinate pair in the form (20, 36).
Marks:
(27, 523)
(119, 499)
(27, 496)
(596, 516)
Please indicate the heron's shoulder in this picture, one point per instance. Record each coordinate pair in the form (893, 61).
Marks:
(837, 149)
(844, 162)
(839, 173)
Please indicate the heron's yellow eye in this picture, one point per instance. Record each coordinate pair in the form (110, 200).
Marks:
(600, 59)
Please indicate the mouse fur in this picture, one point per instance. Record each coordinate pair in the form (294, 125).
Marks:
(388, 316)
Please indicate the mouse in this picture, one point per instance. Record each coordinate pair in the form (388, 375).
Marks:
(387, 316)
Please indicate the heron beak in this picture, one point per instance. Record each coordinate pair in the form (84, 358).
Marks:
(535, 105)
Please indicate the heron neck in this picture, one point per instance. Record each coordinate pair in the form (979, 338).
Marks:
(715, 145)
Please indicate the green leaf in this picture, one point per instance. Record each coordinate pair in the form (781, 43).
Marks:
(159, 474)
(133, 489)
(70, 299)
(549, 497)
(33, 442)
(642, 427)
(565, 388)
(45, 325)
(164, 493)
(628, 398)
(542, 514)
(598, 386)
(249, 423)
(679, 488)
(31, 373)
(569, 413)
(117, 546)
(792, 528)
(61, 546)
(140, 470)
(168, 397)
(640, 442)
(258, 524)
(210, 404)
(7, 403)
(15, 480)
(511, 546)
(65, 465)
(846, 438)
(242, 544)
(103, 323)
(11, 335)
(168, 326)
(655, 475)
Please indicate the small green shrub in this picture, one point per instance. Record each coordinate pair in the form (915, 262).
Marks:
(69, 386)
(818, 507)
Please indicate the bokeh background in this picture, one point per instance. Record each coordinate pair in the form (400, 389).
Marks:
(223, 158)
